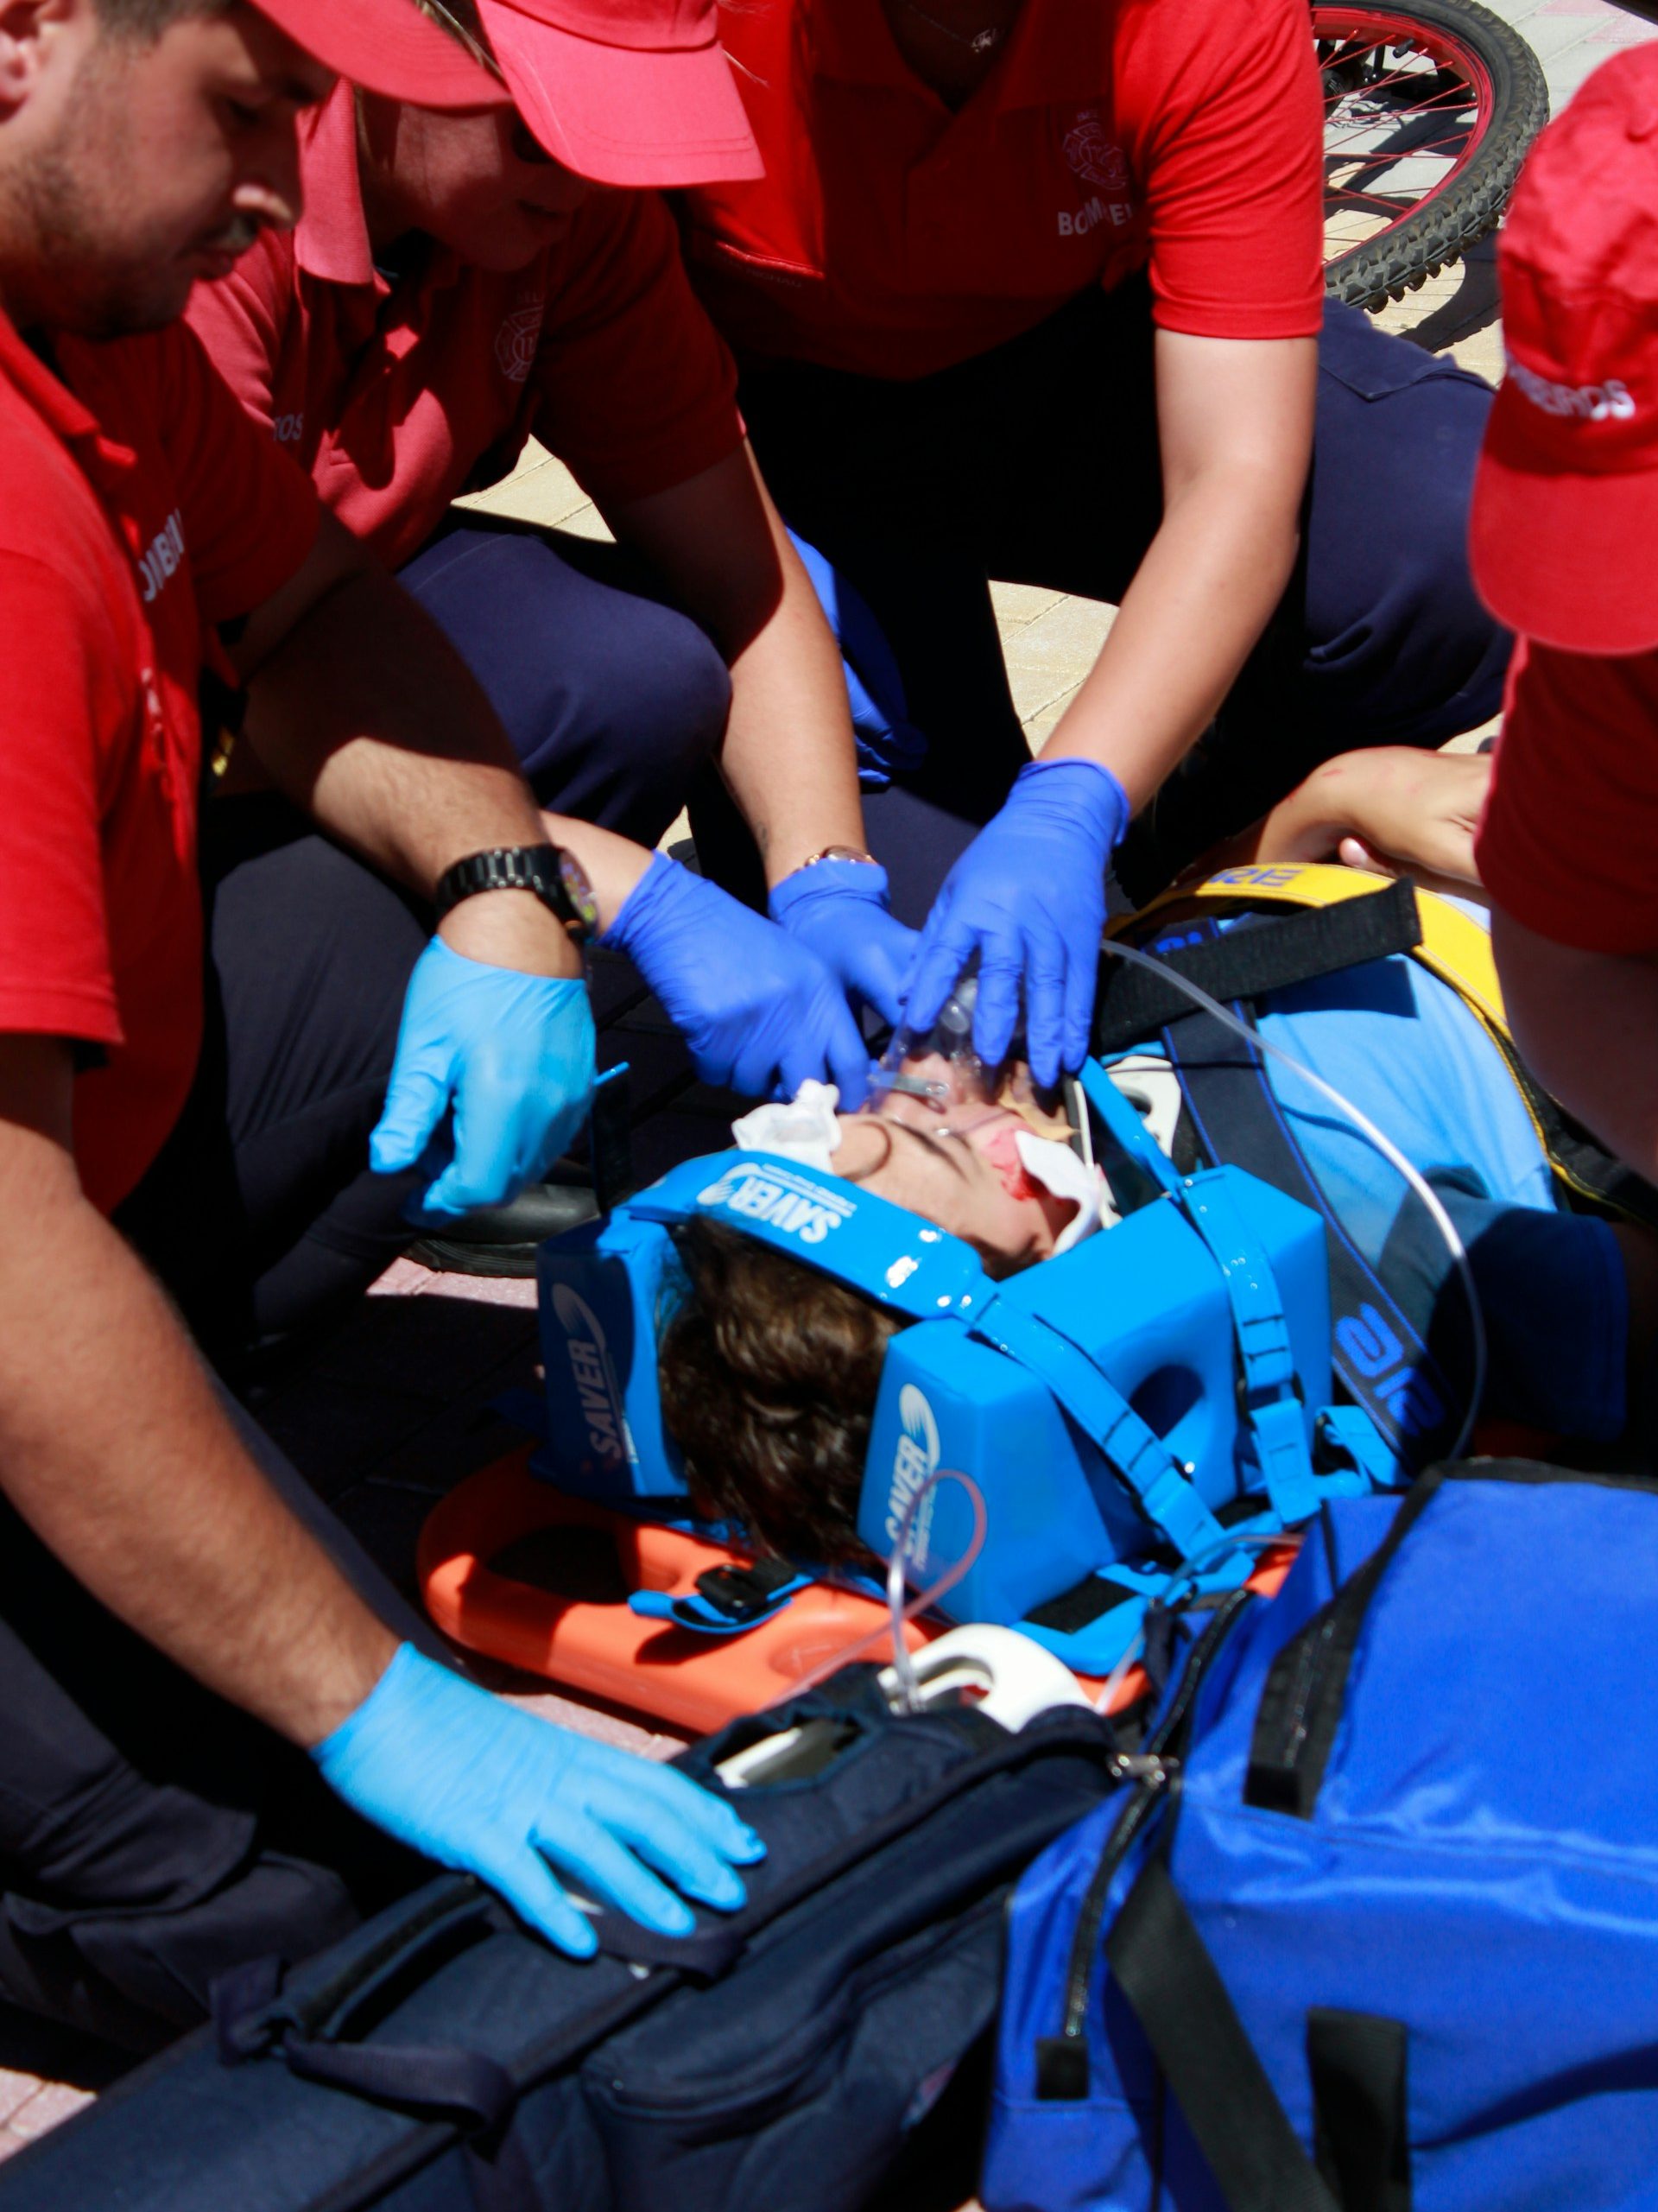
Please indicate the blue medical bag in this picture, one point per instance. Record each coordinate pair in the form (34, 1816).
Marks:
(1140, 1405)
(1377, 1924)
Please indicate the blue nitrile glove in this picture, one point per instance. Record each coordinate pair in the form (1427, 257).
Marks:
(513, 1053)
(887, 741)
(464, 1777)
(1029, 896)
(758, 1011)
(839, 909)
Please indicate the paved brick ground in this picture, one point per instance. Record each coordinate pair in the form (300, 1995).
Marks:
(400, 1406)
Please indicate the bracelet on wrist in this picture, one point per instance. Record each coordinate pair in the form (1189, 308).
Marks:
(839, 852)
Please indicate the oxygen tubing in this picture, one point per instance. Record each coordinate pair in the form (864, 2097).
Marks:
(1367, 1128)
(899, 1610)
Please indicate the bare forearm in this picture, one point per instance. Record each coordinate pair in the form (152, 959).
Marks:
(366, 716)
(1310, 824)
(114, 1449)
(395, 751)
(1587, 1026)
(788, 756)
(1206, 590)
(1389, 808)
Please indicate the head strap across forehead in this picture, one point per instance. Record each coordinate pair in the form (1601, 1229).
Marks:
(867, 1243)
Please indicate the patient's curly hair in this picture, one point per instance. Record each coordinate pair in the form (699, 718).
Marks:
(769, 1374)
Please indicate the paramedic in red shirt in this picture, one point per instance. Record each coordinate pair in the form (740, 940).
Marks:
(219, 1737)
(1565, 548)
(1032, 290)
(458, 283)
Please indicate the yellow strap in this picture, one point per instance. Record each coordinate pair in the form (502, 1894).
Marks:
(1454, 947)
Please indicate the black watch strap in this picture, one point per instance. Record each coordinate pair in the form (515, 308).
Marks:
(547, 870)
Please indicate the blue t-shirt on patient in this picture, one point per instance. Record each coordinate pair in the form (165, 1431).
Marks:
(1402, 1047)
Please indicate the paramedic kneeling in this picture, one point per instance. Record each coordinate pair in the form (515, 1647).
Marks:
(458, 283)
(1032, 290)
(180, 1623)
(1564, 534)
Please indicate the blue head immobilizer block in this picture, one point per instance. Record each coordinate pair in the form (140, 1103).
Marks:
(1126, 1408)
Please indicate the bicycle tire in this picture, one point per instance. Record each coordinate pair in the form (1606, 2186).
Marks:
(1444, 224)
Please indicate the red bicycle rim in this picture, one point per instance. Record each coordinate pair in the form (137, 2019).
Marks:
(1436, 79)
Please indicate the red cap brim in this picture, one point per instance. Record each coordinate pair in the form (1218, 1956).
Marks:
(1567, 558)
(624, 115)
(388, 46)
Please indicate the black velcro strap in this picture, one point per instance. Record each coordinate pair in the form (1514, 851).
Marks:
(1357, 2064)
(745, 1591)
(1084, 1603)
(1131, 1006)
(1159, 1963)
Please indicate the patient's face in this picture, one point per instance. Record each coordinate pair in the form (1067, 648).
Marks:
(959, 1169)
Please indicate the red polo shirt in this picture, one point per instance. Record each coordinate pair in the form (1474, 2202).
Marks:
(397, 396)
(1568, 842)
(136, 504)
(893, 239)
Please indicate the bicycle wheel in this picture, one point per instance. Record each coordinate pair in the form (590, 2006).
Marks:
(1429, 111)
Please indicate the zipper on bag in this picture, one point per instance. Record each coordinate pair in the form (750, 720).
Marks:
(1062, 2060)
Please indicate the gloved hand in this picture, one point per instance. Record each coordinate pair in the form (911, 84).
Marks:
(887, 741)
(1029, 896)
(839, 909)
(757, 1009)
(475, 1784)
(513, 1053)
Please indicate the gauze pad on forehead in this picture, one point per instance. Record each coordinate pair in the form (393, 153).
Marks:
(805, 1129)
(1057, 1168)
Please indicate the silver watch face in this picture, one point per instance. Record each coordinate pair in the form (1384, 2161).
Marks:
(577, 889)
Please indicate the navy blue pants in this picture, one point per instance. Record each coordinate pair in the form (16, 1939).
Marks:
(613, 702)
(1038, 463)
(151, 1835)
(261, 1213)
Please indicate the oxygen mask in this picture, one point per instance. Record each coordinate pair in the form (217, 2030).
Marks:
(938, 1065)
(939, 1068)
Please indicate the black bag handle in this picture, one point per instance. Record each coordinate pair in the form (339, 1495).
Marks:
(1161, 1966)
(1302, 1697)
(419, 2078)
(251, 2009)
(1357, 2063)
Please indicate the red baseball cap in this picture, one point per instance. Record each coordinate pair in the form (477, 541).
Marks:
(387, 47)
(1565, 528)
(625, 91)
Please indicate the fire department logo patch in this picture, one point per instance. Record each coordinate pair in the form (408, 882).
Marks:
(1093, 156)
(516, 340)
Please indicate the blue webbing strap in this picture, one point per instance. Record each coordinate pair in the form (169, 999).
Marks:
(1126, 1126)
(1167, 1496)
(1350, 1436)
(1274, 1413)
(1381, 1356)
(1274, 1409)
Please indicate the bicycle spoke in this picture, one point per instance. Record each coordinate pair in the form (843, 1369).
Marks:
(1404, 113)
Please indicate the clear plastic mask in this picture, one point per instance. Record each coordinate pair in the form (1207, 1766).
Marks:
(940, 1066)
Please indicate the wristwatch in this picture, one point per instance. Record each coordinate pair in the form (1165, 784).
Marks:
(556, 877)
